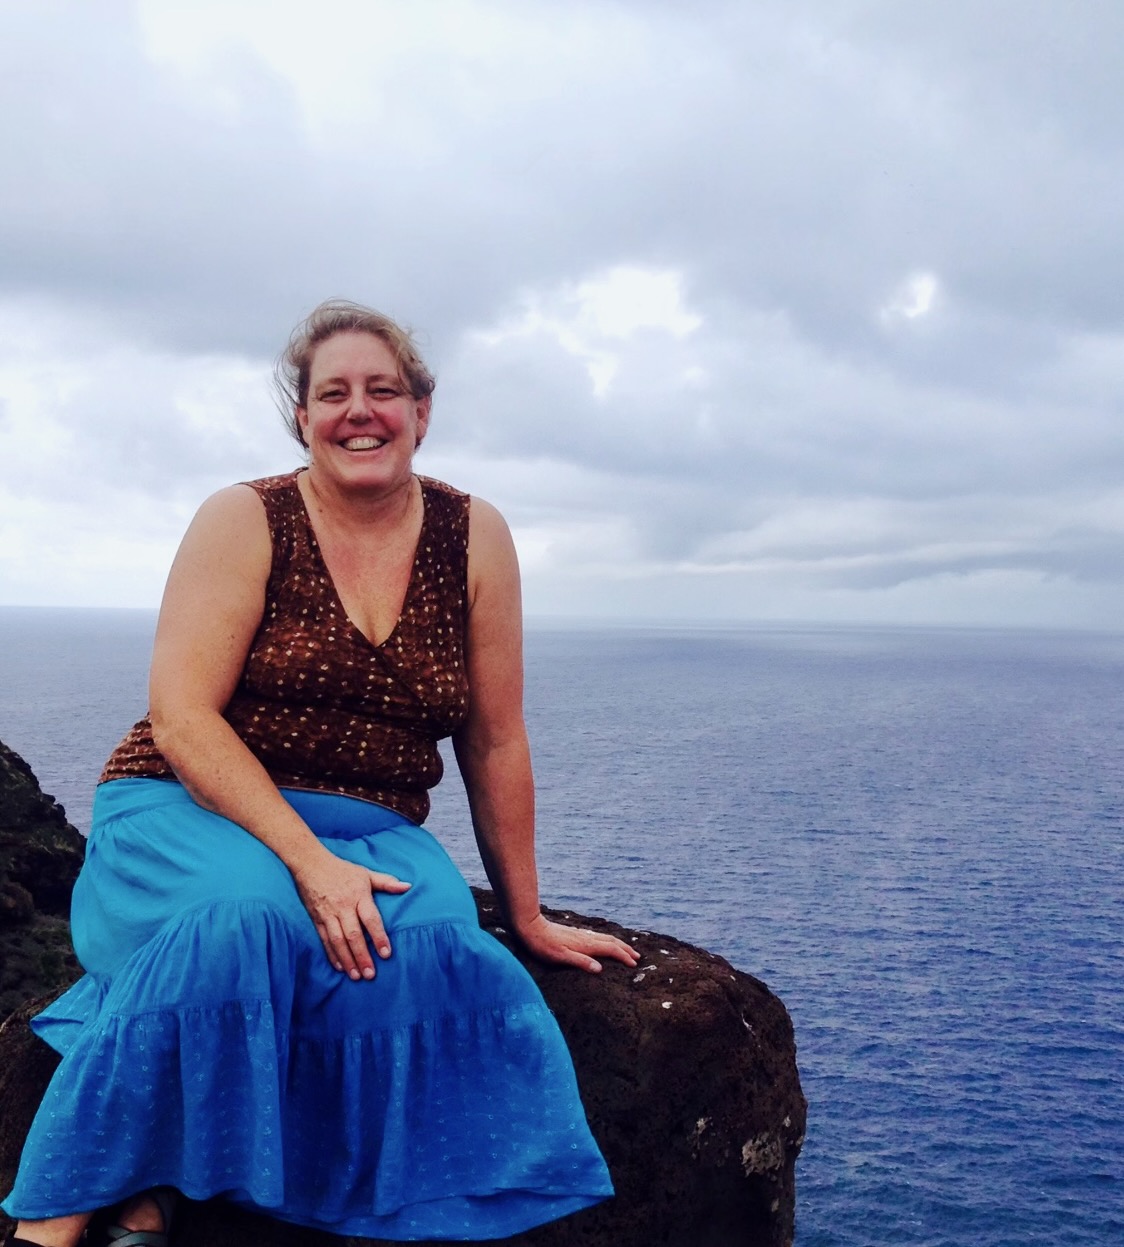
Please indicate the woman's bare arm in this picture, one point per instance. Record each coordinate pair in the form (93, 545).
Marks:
(212, 608)
(494, 757)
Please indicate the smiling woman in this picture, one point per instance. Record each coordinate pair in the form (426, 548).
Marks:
(252, 1023)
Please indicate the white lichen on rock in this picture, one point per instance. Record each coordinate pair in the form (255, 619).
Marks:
(762, 1153)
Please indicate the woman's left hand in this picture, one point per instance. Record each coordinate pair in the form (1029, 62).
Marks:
(573, 946)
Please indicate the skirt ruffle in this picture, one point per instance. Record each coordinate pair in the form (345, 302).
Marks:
(211, 1046)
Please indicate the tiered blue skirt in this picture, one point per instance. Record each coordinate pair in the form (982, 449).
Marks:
(212, 1047)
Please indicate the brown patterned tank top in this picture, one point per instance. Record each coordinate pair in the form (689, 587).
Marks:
(318, 704)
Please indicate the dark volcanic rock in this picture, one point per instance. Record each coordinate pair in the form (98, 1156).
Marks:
(687, 1068)
(688, 1072)
(26, 1066)
(40, 855)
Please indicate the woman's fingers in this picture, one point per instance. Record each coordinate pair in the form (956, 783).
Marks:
(575, 946)
(387, 883)
(335, 946)
(594, 944)
(369, 915)
(339, 898)
(610, 946)
(372, 924)
(346, 947)
(574, 957)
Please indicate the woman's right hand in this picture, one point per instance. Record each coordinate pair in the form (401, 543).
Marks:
(339, 898)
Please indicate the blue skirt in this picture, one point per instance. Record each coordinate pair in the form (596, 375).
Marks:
(212, 1047)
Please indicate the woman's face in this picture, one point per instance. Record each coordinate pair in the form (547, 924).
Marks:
(361, 423)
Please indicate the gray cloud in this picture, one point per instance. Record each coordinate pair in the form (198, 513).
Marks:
(894, 226)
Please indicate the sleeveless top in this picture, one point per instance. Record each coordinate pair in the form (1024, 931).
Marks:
(319, 705)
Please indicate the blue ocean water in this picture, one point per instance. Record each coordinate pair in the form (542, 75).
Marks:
(914, 836)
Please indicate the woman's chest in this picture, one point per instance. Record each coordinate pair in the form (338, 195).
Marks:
(372, 583)
(381, 636)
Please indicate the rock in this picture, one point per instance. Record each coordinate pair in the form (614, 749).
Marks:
(16, 904)
(26, 1066)
(40, 855)
(688, 1072)
(687, 1068)
(39, 849)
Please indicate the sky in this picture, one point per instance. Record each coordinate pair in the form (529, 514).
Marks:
(740, 311)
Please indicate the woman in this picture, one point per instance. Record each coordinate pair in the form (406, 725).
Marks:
(234, 1034)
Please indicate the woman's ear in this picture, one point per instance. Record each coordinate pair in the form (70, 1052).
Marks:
(302, 424)
(424, 407)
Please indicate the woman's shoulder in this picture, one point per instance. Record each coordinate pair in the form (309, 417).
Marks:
(272, 486)
(278, 496)
(490, 545)
(432, 487)
(485, 516)
(249, 513)
(446, 510)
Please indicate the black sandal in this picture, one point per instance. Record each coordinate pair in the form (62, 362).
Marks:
(165, 1198)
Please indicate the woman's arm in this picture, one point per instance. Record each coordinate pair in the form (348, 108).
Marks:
(494, 757)
(212, 608)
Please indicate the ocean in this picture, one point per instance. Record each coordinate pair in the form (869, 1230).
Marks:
(912, 835)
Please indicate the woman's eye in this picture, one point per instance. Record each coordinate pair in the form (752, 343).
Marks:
(382, 391)
(331, 395)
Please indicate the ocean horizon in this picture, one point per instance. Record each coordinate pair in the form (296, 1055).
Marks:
(912, 834)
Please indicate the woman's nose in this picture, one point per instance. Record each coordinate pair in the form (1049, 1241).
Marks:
(358, 408)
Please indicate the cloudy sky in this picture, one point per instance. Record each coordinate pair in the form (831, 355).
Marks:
(740, 310)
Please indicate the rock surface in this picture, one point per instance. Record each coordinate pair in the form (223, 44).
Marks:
(687, 1068)
(40, 855)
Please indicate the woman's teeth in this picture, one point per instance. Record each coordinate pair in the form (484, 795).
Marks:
(363, 443)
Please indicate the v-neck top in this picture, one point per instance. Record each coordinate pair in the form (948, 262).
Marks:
(321, 706)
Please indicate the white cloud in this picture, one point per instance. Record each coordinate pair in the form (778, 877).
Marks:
(913, 299)
(111, 446)
(788, 311)
(592, 319)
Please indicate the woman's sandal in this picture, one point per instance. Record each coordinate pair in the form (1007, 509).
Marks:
(165, 1198)
(99, 1234)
